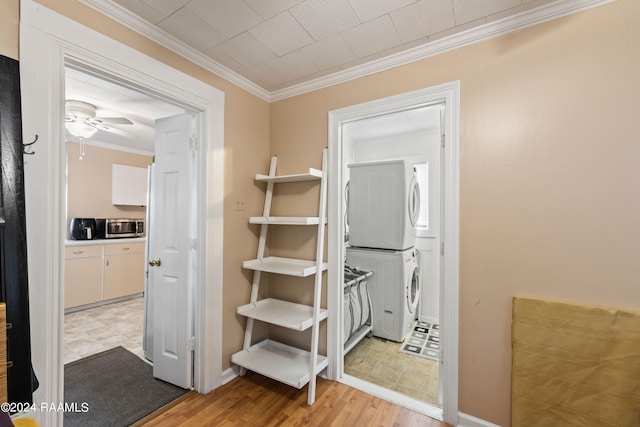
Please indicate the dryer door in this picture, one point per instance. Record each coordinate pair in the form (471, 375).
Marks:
(413, 290)
(414, 201)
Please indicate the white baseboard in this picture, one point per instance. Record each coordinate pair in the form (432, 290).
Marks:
(430, 319)
(229, 374)
(465, 420)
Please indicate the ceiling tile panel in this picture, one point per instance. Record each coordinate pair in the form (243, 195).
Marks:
(469, 10)
(246, 50)
(324, 19)
(264, 75)
(423, 18)
(192, 30)
(271, 8)
(166, 7)
(142, 9)
(371, 37)
(229, 17)
(293, 66)
(329, 52)
(282, 34)
(370, 9)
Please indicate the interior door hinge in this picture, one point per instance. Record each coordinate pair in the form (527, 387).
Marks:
(442, 140)
(442, 248)
(193, 143)
(191, 343)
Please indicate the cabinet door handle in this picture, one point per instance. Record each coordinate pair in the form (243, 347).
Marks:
(78, 252)
(125, 249)
(107, 263)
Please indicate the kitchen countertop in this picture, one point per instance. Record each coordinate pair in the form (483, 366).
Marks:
(92, 242)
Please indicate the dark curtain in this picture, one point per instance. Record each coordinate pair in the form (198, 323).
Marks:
(21, 380)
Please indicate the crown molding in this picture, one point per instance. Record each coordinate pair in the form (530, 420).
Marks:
(478, 34)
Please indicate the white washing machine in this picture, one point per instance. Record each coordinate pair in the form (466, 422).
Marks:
(394, 288)
(383, 205)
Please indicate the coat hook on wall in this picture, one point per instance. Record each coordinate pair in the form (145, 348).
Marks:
(26, 148)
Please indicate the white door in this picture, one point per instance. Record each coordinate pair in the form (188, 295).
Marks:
(170, 252)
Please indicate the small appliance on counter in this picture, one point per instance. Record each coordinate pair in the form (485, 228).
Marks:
(82, 229)
(115, 228)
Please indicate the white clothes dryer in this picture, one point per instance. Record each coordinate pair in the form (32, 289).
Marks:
(394, 289)
(383, 205)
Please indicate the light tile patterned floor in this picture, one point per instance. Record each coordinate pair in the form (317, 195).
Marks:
(97, 329)
(379, 362)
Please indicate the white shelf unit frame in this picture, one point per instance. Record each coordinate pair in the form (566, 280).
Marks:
(287, 364)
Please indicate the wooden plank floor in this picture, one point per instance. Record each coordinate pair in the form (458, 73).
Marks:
(254, 400)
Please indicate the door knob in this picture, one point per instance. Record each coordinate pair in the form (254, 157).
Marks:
(155, 262)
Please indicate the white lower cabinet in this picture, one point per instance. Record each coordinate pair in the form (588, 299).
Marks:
(82, 275)
(99, 273)
(123, 270)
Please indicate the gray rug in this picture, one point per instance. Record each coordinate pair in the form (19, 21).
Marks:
(113, 388)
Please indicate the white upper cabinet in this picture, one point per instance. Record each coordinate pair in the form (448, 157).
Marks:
(129, 185)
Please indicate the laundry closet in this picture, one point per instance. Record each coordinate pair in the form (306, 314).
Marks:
(391, 169)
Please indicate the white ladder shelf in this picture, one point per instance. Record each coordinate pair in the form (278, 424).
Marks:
(289, 365)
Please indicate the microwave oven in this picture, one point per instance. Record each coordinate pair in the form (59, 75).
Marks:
(114, 228)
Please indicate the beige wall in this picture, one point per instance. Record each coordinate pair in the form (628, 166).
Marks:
(89, 182)
(549, 203)
(9, 23)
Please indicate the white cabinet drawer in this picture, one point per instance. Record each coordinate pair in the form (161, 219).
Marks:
(123, 248)
(72, 252)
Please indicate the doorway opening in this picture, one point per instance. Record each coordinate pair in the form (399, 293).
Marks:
(392, 232)
(109, 294)
(105, 278)
(437, 226)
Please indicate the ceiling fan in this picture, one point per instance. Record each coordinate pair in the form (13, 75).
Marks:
(81, 121)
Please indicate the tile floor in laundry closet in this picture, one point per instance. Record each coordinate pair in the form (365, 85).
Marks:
(101, 328)
(379, 362)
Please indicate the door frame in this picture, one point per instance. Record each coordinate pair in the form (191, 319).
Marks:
(49, 42)
(449, 94)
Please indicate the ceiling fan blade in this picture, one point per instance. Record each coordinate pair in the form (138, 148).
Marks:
(111, 121)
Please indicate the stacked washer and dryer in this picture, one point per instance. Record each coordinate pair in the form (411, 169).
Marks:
(382, 210)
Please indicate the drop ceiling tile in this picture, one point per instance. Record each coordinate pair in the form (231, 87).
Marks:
(329, 52)
(271, 8)
(282, 34)
(246, 50)
(370, 9)
(293, 65)
(229, 17)
(223, 59)
(423, 18)
(142, 9)
(469, 10)
(324, 19)
(192, 30)
(371, 37)
(166, 7)
(264, 76)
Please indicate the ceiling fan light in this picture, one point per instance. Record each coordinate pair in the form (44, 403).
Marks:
(81, 130)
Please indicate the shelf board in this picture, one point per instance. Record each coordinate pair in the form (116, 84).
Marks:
(285, 220)
(282, 313)
(311, 175)
(288, 266)
(289, 365)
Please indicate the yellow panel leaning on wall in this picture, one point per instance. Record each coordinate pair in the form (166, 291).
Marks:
(574, 365)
